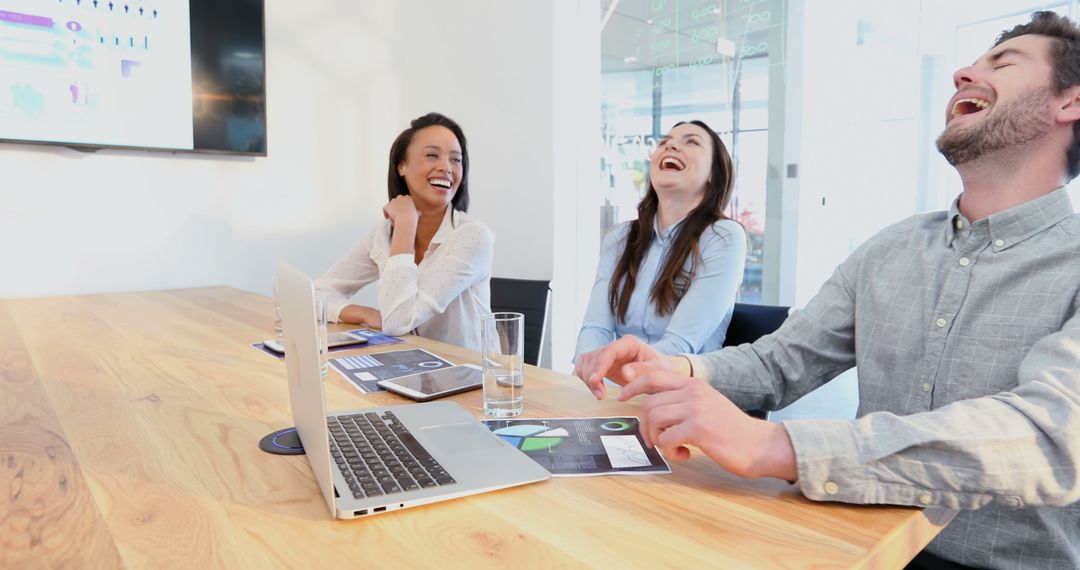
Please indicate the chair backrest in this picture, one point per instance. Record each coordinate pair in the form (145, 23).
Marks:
(751, 322)
(530, 298)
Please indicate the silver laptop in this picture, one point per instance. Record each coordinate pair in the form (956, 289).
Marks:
(373, 460)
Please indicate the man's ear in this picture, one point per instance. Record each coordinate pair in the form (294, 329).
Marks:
(1069, 112)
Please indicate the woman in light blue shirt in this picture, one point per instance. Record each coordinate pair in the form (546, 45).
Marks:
(671, 276)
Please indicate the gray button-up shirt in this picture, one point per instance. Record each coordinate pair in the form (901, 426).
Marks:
(967, 341)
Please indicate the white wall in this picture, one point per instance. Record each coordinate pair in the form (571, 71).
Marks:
(489, 65)
(577, 147)
(344, 78)
(828, 136)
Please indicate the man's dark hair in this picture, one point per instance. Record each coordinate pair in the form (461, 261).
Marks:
(396, 183)
(1065, 55)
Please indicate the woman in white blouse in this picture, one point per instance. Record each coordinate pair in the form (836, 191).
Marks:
(432, 260)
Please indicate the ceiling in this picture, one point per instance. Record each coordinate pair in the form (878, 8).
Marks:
(649, 34)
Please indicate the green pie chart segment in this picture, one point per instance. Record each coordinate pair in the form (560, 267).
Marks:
(540, 443)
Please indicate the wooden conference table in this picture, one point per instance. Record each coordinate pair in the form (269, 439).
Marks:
(129, 426)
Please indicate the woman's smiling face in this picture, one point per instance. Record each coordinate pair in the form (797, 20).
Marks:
(432, 167)
(683, 161)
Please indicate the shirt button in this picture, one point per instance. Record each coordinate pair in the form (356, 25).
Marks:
(941, 323)
(832, 488)
(926, 499)
(926, 387)
(964, 262)
(999, 242)
(959, 224)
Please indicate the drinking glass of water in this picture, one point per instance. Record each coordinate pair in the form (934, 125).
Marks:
(278, 336)
(503, 352)
(320, 329)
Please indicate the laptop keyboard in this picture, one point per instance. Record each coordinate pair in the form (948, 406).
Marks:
(378, 456)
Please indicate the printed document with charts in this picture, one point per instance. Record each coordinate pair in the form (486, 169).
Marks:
(575, 447)
(364, 371)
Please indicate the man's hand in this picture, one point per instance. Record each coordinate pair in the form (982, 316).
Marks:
(609, 361)
(682, 412)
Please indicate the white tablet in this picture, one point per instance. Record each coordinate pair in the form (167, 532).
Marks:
(436, 383)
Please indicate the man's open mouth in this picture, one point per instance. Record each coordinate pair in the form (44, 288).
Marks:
(968, 106)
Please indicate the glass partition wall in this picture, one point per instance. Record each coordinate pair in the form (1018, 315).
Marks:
(666, 61)
(829, 108)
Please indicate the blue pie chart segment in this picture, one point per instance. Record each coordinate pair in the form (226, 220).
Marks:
(521, 430)
(514, 441)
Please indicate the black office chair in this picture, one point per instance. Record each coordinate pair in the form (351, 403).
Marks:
(530, 298)
(751, 322)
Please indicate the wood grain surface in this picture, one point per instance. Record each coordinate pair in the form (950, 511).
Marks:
(129, 429)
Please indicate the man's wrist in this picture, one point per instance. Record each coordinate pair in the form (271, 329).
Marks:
(778, 454)
(690, 364)
(680, 364)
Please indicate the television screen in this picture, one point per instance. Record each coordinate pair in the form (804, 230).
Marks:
(160, 74)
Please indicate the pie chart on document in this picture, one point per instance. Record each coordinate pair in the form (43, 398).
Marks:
(532, 437)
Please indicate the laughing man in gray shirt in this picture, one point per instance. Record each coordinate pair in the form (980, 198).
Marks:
(964, 326)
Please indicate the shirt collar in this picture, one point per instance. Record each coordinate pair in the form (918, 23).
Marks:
(1012, 226)
(664, 238)
(955, 222)
(445, 227)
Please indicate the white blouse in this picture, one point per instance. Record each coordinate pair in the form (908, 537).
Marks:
(443, 298)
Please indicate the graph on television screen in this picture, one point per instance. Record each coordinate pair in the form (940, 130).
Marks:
(105, 72)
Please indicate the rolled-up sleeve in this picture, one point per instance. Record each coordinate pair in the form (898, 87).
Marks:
(1014, 448)
(813, 346)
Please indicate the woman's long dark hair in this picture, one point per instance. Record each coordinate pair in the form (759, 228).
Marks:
(673, 280)
(396, 183)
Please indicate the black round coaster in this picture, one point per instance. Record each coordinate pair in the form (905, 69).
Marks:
(282, 442)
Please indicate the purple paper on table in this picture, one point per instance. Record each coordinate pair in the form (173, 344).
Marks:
(262, 348)
(375, 338)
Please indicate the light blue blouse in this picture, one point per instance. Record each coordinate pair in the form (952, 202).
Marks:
(701, 318)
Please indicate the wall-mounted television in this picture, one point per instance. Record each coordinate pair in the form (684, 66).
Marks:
(186, 75)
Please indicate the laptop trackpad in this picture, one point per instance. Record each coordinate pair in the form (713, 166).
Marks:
(462, 438)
